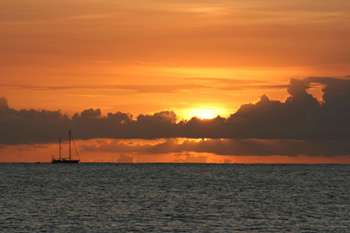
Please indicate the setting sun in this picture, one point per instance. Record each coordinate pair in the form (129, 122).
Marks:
(204, 113)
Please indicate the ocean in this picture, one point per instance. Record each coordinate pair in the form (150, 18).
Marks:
(174, 198)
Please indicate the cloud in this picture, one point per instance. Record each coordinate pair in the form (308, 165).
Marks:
(299, 125)
(225, 147)
(301, 116)
(132, 88)
(30, 126)
(3, 103)
(238, 84)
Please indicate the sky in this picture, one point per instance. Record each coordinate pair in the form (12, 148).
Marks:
(197, 58)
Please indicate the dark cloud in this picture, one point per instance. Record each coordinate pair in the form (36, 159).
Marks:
(301, 116)
(299, 119)
(31, 126)
(239, 147)
(3, 103)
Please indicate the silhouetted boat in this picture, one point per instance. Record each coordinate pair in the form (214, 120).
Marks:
(62, 159)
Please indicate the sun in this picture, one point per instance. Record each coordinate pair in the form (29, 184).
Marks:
(204, 113)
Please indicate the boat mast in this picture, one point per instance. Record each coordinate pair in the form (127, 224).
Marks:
(70, 144)
(60, 149)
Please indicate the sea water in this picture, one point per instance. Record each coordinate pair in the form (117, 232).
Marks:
(174, 198)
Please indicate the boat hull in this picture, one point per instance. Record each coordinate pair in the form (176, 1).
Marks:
(71, 161)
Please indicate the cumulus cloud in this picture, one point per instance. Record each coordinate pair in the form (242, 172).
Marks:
(301, 117)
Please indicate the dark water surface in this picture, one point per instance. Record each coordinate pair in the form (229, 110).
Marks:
(174, 198)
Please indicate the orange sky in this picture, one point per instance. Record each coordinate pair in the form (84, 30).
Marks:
(145, 56)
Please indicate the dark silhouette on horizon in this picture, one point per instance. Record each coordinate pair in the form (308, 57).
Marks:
(65, 159)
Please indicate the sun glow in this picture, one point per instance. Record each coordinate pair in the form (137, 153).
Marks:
(204, 113)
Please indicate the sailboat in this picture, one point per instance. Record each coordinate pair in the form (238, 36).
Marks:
(65, 159)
